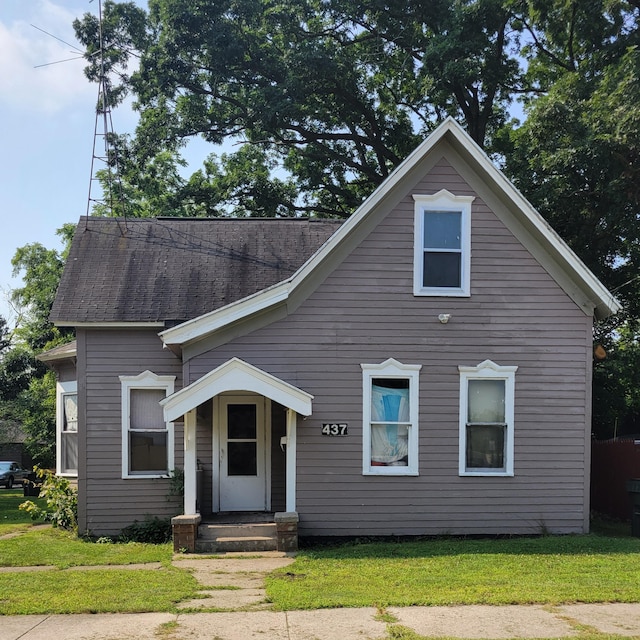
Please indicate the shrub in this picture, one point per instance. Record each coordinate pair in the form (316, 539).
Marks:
(61, 500)
(153, 530)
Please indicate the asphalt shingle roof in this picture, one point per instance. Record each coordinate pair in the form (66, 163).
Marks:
(174, 269)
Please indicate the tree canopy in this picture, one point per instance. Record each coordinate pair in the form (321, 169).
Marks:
(27, 388)
(323, 98)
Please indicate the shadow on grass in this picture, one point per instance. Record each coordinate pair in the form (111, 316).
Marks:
(606, 538)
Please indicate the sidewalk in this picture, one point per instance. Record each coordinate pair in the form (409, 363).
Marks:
(331, 624)
(244, 614)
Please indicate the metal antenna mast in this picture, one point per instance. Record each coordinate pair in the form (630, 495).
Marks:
(111, 192)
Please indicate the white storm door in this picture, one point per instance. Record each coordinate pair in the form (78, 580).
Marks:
(242, 454)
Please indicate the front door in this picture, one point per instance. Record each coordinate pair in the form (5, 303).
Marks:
(242, 454)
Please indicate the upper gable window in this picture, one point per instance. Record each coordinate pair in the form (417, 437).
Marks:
(442, 245)
(147, 440)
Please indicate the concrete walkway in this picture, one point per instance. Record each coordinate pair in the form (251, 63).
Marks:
(234, 587)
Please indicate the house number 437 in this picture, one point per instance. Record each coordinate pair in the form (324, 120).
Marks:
(334, 429)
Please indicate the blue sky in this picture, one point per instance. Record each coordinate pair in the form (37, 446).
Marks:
(47, 119)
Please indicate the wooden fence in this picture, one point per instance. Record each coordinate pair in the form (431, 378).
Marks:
(613, 463)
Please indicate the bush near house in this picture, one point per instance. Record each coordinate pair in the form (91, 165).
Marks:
(61, 501)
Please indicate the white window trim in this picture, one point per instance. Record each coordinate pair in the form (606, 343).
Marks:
(63, 389)
(488, 370)
(390, 369)
(442, 201)
(145, 380)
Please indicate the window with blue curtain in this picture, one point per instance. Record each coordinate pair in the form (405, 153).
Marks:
(390, 422)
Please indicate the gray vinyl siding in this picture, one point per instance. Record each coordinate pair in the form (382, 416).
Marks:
(365, 312)
(108, 503)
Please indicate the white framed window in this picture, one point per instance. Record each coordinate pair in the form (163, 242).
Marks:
(147, 440)
(442, 244)
(487, 398)
(390, 418)
(67, 429)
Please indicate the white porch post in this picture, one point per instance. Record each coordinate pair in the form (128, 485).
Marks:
(291, 460)
(190, 463)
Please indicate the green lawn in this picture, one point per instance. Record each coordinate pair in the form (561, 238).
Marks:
(544, 570)
(62, 549)
(95, 591)
(63, 589)
(601, 567)
(11, 518)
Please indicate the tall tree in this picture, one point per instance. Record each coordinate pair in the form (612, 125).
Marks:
(332, 94)
(27, 388)
(576, 157)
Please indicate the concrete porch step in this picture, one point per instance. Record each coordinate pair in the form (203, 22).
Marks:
(256, 536)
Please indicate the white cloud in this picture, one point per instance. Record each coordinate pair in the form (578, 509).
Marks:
(26, 86)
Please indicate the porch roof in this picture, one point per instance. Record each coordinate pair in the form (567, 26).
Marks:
(236, 375)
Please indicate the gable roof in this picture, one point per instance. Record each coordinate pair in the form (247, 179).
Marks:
(162, 271)
(536, 234)
(230, 376)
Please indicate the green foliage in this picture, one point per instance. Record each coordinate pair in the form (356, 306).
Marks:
(152, 530)
(41, 270)
(36, 408)
(27, 387)
(61, 501)
(326, 97)
(616, 399)
(176, 483)
(17, 368)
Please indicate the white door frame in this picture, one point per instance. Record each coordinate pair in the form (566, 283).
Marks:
(219, 420)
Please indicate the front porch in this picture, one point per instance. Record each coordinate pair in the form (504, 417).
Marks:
(240, 424)
(236, 532)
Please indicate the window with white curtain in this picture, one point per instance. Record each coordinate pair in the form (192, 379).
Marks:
(67, 429)
(390, 418)
(147, 440)
(487, 396)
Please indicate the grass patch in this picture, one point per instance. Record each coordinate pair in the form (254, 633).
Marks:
(545, 570)
(11, 518)
(95, 591)
(63, 549)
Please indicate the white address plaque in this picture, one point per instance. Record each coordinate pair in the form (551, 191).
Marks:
(335, 429)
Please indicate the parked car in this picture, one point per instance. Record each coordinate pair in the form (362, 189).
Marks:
(12, 472)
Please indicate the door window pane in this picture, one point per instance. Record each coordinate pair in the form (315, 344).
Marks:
(241, 421)
(242, 459)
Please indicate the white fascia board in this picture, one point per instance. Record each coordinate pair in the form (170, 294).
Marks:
(214, 320)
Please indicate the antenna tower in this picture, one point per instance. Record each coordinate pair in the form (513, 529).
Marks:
(103, 135)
